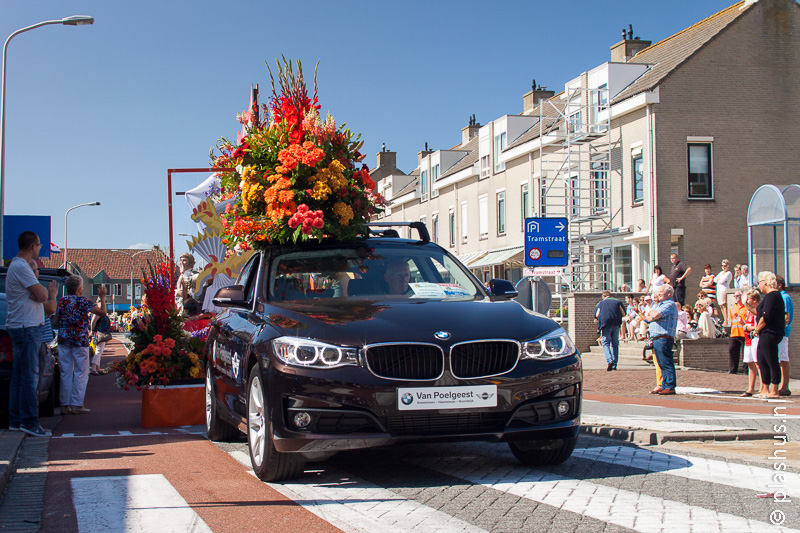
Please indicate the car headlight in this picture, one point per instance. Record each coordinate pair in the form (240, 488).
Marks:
(297, 351)
(554, 345)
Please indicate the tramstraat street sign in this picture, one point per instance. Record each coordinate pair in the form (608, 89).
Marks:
(546, 242)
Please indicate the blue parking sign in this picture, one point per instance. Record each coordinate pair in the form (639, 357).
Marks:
(546, 242)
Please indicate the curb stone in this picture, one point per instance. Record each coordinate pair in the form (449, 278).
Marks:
(646, 436)
(10, 442)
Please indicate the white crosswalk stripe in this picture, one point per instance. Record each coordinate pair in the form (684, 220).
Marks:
(720, 472)
(355, 505)
(640, 512)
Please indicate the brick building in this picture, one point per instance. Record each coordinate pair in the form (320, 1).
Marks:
(114, 269)
(658, 150)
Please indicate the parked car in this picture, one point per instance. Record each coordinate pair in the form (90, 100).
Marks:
(311, 356)
(48, 353)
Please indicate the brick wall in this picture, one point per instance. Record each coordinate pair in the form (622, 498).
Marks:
(705, 354)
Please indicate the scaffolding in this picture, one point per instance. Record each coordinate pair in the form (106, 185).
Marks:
(574, 182)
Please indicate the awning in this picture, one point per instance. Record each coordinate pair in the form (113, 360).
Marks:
(497, 257)
(472, 256)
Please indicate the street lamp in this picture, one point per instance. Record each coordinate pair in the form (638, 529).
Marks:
(75, 20)
(133, 296)
(65, 226)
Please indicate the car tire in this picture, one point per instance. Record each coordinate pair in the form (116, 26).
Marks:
(217, 429)
(543, 452)
(268, 464)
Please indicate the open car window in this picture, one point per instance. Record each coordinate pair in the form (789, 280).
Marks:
(358, 272)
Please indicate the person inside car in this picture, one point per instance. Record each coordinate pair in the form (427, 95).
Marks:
(397, 276)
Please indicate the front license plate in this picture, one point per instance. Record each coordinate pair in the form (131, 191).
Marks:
(417, 398)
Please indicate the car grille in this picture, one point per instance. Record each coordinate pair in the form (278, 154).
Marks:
(406, 361)
(446, 424)
(477, 359)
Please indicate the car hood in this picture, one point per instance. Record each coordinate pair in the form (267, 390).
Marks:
(359, 322)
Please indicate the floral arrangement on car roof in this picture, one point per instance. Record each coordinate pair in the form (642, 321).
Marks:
(162, 351)
(297, 177)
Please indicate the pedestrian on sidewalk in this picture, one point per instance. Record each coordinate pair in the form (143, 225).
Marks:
(677, 278)
(28, 302)
(737, 316)
(723, 281)
(73, 342)
(663, 319)
(770, 329)
(752, 297)
(657, 280)
(608, 315)
(707, 283)
(101, 334)
(783, 347)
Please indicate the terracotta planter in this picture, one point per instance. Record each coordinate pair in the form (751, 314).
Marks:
(174, 405)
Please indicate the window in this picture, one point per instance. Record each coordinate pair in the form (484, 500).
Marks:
(423, 182)
(600, 104)
(435, 228)
(575, 195)
(434, 173)
(463, 222)
(623, 268)
(499, 146)
(483, 216)
(485, 171)
(700, 184)
(137, 289)
(96, 289)
(638, 179)
(525, 203)
(599, 186)
(501, 213)
(452, 224)
(118, 289)
(575, 121)
(543, 198)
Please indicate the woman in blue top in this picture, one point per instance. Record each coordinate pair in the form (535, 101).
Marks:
(73, 342)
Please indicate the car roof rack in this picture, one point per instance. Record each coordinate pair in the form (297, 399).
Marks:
(422, 230)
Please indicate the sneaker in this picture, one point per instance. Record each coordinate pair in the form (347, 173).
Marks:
(38, 431)
(13, 428)
(79, 410)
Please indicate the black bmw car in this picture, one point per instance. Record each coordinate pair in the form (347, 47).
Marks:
(337, 346)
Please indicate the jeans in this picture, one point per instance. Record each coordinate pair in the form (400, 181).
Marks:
(74, 362)
(23, 394)
(609, 339)
(663, 350)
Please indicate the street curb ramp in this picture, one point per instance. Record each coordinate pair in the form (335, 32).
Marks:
(648, 436)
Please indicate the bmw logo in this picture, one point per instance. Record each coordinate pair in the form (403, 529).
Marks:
(407, 398)
(442, 335)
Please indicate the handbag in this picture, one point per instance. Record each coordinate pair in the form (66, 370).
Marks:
(102, 337)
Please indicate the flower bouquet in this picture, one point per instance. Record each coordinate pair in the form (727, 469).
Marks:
(297, 177)
(161, 351)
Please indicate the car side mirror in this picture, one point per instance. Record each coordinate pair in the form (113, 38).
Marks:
(230, 296)
(501, 288)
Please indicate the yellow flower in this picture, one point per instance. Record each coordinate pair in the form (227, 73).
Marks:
(344, 212)
(194, 372)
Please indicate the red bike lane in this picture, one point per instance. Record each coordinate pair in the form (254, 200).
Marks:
(110, 442)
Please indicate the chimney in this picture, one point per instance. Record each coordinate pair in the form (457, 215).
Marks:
(386, 158)
(628, 47)
(470, 131)
(532, 98)
(422, 154)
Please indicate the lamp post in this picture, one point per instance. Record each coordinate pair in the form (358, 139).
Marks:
(65, 226)
(133, 295)
(75, 20)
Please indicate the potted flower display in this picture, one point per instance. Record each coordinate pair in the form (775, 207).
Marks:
(164, 360)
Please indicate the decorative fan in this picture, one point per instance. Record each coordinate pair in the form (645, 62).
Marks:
(210, 248)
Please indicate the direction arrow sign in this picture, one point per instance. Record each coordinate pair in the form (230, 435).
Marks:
(546, 242)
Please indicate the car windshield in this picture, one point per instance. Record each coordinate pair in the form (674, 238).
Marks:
(370, 271)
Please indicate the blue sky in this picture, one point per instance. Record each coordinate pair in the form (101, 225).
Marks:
(99, 113)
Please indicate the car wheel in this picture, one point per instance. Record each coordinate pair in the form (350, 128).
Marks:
(543, 452)
(216, 429)
(268, 464)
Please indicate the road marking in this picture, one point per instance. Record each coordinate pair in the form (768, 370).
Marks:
(355, 505)
(654, 425)
(624, 508)
(697, 468)
(132, 503)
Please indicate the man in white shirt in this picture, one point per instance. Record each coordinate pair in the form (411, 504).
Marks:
(26, 313)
